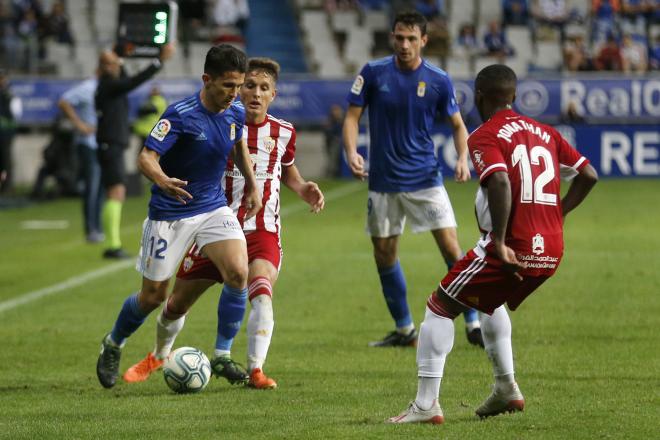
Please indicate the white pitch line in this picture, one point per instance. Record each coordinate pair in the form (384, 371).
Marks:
(83, 278)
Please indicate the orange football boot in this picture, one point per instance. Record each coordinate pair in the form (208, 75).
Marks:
(260, 381)
(143, 369)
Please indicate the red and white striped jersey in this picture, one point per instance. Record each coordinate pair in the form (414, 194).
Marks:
(272, 145)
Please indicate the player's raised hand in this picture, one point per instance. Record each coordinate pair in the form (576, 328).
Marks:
(252, 203)
(174, 187)
(509, 260)
(356, 164)
(462, 173)
(312, 194)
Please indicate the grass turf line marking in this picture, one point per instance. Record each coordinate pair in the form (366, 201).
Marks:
(81, 279)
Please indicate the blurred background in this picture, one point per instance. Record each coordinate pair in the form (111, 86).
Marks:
(589, 67)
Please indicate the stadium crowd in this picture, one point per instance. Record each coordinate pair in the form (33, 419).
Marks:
(593, 35)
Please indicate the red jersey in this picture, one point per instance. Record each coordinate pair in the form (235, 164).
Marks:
(272, 145)
(534, 155)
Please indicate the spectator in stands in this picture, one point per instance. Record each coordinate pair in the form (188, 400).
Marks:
(576, 54)
(634, 55)
(229, 14)
(515, 12)
(634, 13)
(467, 46)
(654, 54)
(609, 57)
(10, 112)
(551, 13)
(430, 9)
(495, 41)
(604, 15)
(30, 35)
(192, 15)
(332, 6)
(57, 24)
(439, 39)
(334, 143)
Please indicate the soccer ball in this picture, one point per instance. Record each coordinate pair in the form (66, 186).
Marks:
(187, 370)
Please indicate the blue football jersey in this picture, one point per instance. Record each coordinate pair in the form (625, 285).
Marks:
(402, 107)
(193, 144)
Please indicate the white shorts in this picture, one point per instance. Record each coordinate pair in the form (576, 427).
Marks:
(164, 242)
(428, 209)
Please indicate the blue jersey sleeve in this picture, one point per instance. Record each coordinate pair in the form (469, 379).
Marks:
(359, 95)
(166, 131)
(448, 106)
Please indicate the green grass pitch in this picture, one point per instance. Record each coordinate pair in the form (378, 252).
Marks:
(586, 344)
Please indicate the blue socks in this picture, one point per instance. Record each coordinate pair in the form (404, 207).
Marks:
(130, 319)
(231, 308)
(393, 283)
(471, 316)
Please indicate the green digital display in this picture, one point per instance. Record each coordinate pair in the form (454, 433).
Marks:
(144, 27)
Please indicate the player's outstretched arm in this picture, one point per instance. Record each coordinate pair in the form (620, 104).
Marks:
(580, 187)
(350, 134)
(499, 205)
(307, 190)
(149, 166)
(241, 155)
(460, 134)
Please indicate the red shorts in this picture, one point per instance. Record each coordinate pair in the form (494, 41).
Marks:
(263, 245)
(481, 284)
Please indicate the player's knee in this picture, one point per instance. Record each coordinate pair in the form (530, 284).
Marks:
(384, 257)
(152, 296)
(236, 275)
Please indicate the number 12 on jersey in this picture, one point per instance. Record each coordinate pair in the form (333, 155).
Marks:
(532, 190)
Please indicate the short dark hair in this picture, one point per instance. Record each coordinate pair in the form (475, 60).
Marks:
(224, 58)
(496, 81)
(268, 65)
(411, 19)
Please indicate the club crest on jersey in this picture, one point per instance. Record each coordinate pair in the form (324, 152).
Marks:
(538, 245)
(478, 160)
(161, 129)
(421, 89)
(356, 89)
(269, 144)
(232, 132)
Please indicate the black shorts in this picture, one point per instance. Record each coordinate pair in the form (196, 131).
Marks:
(111, 160)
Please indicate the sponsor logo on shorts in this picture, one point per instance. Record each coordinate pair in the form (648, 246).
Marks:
(356, 89)
(538, 244)
(539, 262)
(161, 129)
(232, 224)
(187, 264)
(421, 89)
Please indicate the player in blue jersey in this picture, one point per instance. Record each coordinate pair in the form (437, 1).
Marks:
(185, 156)
(404, 95)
